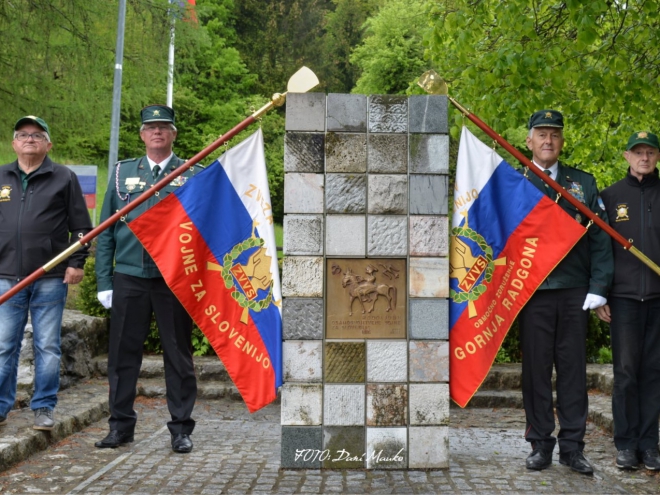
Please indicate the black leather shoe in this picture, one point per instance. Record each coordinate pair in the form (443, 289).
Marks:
(650, 459)
(539, 459)
(181, 443)
(576, 461)
(627, 459)
(114, 439)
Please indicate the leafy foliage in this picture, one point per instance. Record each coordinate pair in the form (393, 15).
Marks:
(598, 343)
(276, 37)
(597, 62)
(88, 303)
(60, 54)
(391, 56)
(344, 30)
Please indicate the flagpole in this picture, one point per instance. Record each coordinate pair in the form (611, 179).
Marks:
(431, 82)
(170, 61)
(116, 91)
(301, 82)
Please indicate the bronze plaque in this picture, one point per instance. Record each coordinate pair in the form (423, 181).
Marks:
(366, 299)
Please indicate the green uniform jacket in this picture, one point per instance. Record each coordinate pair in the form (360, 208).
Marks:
(118, 243)
(590, 262)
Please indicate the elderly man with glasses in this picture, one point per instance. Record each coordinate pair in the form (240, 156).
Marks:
(130, 283)
(42, 211)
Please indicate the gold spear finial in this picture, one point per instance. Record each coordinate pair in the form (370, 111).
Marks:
(301, 82)
(432, 83)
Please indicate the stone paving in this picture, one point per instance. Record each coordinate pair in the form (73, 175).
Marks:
(236, 452)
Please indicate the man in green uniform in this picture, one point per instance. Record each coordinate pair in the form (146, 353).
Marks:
(553, 323)
(130, 283)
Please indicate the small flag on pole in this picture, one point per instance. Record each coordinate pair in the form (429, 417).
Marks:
(506, 237)
(214, 242)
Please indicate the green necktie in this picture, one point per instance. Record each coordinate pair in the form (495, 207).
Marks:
(547, 187)
(155, 171)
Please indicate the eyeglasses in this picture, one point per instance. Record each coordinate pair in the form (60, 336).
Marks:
(36, 136)
(154, 128)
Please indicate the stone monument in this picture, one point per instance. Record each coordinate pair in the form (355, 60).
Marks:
(365, 282)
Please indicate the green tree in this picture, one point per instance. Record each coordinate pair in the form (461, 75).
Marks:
(58, 58)
(391, 56)
(598, 62)
(344, 29)
(277, 37)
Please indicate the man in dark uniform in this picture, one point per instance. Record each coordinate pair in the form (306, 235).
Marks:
(553, 323)
(134, 288)
(634, 306)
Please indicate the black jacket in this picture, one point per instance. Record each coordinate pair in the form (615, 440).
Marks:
(36, 224)
(634, 211)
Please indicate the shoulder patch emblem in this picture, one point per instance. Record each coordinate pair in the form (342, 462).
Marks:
(5, 193)
(622, 213)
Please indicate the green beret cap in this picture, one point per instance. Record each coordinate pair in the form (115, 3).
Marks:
(157, 113)
(31, 119)
(643, 137)
(546, 118)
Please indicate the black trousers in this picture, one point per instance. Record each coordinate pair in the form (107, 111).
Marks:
(635, 333)
(133, 301)
(553, 330)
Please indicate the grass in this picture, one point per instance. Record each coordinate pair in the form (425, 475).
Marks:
(279, 239)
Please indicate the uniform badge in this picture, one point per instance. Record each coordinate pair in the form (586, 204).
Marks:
(131, 183)
(179, 181)
(5, 193)
(577, 192)
(601, 204)
(622, 213)
(578, 218)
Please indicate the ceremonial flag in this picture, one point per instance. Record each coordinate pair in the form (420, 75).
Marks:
(506, 237)
(214, 242)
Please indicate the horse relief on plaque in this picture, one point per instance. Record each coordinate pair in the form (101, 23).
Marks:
(366, 298)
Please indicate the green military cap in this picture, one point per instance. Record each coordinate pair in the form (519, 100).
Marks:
(157, 113)
(546, 118)
(643, 137)
(31, 119)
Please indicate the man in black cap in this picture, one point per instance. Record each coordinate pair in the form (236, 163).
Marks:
(634, 306)
(553, 323)
(130, 283)
(42, 210)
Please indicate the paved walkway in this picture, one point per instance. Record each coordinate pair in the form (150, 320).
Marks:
(236, 452)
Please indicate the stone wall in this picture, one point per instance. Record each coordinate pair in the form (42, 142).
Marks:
(365, 178)
(83, 337)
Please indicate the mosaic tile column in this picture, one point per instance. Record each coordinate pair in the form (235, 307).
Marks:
(365, 178)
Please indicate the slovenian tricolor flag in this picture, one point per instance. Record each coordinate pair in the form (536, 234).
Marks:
(507, 236)
(214, 242)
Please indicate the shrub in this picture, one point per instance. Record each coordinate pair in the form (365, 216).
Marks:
(87, 302)
(598, 343)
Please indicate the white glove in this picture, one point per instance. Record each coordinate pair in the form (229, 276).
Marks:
(593, 301)
(105, 298)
